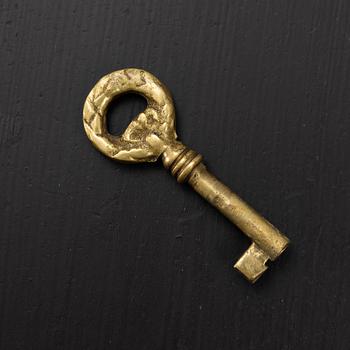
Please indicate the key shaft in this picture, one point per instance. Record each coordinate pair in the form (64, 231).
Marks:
(262, 232)
(268, 241)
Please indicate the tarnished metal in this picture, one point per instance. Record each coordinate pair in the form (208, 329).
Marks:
(152, 134)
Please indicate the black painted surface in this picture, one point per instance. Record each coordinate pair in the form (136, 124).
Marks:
(100, 255)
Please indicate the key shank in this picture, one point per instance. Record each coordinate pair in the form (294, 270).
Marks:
(268, 241)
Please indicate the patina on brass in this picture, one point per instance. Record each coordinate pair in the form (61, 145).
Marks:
(152, 134)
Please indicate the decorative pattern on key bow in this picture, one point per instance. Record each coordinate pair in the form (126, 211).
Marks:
(145, 138)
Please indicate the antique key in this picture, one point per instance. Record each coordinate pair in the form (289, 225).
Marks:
(152, 134)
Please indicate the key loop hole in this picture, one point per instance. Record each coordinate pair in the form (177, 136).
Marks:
(122, 110)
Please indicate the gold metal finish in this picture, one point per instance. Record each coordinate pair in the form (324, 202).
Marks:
(151, 135)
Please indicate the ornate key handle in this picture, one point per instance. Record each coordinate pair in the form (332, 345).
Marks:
(148, 135)
(152, 134)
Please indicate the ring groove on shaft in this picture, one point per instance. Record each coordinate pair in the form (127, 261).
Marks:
(184, 164)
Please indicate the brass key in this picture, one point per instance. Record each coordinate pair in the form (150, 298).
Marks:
(152, 134)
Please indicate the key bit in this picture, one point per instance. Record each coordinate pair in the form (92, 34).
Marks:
(152, 134)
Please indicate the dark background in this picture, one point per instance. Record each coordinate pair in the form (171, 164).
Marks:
(100, 255)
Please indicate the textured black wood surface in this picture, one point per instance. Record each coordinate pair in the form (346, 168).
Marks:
(99, 255)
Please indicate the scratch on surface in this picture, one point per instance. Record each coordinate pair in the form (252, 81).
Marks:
(10, 130)
(142, 78)
(191, 217)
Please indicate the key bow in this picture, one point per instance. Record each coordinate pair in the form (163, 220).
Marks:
(149, 133)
